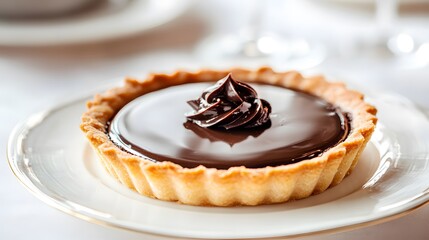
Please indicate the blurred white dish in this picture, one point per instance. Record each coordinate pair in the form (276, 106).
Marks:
(109, 20)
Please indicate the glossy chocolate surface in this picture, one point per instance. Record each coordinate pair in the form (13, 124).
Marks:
(154, 126)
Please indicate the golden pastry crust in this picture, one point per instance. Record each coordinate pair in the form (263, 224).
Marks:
(236, 185)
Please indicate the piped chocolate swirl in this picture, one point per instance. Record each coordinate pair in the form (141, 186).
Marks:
(302, 126)
(230, 104)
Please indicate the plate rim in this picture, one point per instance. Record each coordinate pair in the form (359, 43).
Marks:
(418, 202)
(179, 9)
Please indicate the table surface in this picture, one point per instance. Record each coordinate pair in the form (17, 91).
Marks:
(35, 78)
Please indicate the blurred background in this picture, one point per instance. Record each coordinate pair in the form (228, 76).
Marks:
(55, 50)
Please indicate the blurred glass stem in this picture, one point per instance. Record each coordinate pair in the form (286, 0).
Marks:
(251, 33)
(394, 43)
(386, 13)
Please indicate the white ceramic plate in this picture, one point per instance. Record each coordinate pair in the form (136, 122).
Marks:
(112, 19)
(50, 156)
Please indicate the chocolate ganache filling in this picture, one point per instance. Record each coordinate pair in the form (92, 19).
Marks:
(230, 104)
(300, 126)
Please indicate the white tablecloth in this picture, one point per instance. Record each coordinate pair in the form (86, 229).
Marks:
(32, 79)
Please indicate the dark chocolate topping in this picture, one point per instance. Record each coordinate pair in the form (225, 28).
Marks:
(230, 104)
(302, 126)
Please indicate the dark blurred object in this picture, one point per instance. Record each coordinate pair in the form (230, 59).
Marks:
(41, 8)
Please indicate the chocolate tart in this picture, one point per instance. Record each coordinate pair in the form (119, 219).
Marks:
(160, 154)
